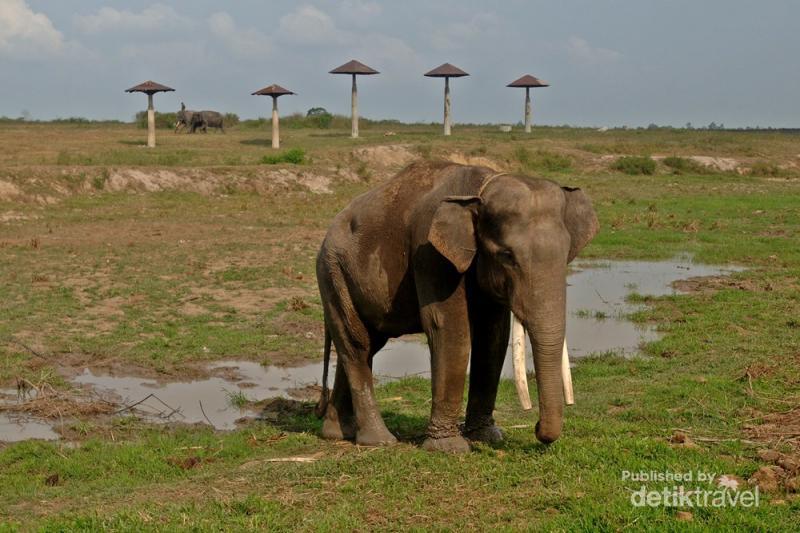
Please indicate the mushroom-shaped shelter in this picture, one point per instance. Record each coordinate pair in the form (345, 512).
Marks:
(354, 68)
(150, 88)
(527, 81)
(446, 71)
(274, 91)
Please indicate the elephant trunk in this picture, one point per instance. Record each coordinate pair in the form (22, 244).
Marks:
(545, 323)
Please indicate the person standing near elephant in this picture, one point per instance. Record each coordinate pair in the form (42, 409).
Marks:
(448, 250)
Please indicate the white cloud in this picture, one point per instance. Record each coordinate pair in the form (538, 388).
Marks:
(25, 34)
(392, 56)
(154, 17)
(308, 26)
(243, 42)
(581, 51)
(459, 34)
(359, 12)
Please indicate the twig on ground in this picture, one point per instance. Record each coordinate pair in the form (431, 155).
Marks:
(31, 350)
(210, 423)
(151, 395)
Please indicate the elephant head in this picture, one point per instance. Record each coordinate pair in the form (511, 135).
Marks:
(519, 235)
(184, 118)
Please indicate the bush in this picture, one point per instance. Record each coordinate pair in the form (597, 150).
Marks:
(682, 165)
(295, 156)
(230, 119)
(320, 120)
(765, 168)
(542, 160)
(634, 165)
(163, 120)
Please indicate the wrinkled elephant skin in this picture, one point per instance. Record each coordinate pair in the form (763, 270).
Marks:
(449, 250)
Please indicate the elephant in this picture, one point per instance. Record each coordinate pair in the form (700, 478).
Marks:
(195, 120)
(206, 119)
(184, 118)
(448, 250)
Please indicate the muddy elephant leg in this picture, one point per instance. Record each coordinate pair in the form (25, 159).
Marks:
(353, 348)
(447, 327)
(340, 422)
(490, 328)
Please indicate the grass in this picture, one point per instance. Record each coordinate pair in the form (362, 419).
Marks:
(294, 156)
(683, 165)
(634, 165)
(236, 399)
(157, 280)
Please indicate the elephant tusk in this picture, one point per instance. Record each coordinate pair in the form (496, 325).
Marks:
(518, 360)
(566, 376)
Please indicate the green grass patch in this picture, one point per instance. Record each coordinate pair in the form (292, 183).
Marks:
(682, 165)
(634, 165)
(294, 156)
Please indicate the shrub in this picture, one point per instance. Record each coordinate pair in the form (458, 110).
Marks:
(634, 165)
(230, 119)
(320, 120)
(163, 120)
(295, 156)
(542, 160)
(682, 165)
(765, 168)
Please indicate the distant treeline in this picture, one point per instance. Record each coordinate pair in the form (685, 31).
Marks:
(168, 120)
(321, 119)
(69, 120)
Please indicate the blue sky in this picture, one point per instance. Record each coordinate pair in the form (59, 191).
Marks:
(610, 62)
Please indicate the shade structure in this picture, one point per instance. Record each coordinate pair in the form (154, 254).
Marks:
(527, 82)
(150, 88)
(354, 68)
(446, 71)
(274, 91)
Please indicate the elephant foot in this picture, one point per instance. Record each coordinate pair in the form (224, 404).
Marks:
(488, 434)
(457, 444)
(336, 428)
(375, 437)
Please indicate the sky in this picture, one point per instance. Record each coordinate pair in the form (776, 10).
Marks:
(609, 62)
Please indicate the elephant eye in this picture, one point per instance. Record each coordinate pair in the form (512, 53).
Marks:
(506, 256)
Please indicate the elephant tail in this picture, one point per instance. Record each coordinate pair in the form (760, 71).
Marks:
(322, 405)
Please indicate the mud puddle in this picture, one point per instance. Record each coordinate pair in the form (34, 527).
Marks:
(596, 323)
(15, 428)
(596, 312)
(219, 400)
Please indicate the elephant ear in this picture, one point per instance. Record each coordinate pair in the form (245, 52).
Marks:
(452, 230)
(580, 220)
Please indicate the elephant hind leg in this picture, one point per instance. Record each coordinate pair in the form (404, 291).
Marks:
(339, 422)
(353, 388)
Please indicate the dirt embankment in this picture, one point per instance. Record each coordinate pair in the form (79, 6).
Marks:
(45, 185)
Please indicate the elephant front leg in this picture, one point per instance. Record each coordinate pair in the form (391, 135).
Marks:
(447, 327)
(490, 329)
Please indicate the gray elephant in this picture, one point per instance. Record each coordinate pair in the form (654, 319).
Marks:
(184, 118)
(202, 120)
(448, 250)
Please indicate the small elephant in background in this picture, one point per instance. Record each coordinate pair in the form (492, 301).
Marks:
(201, 120)
(451, 251)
